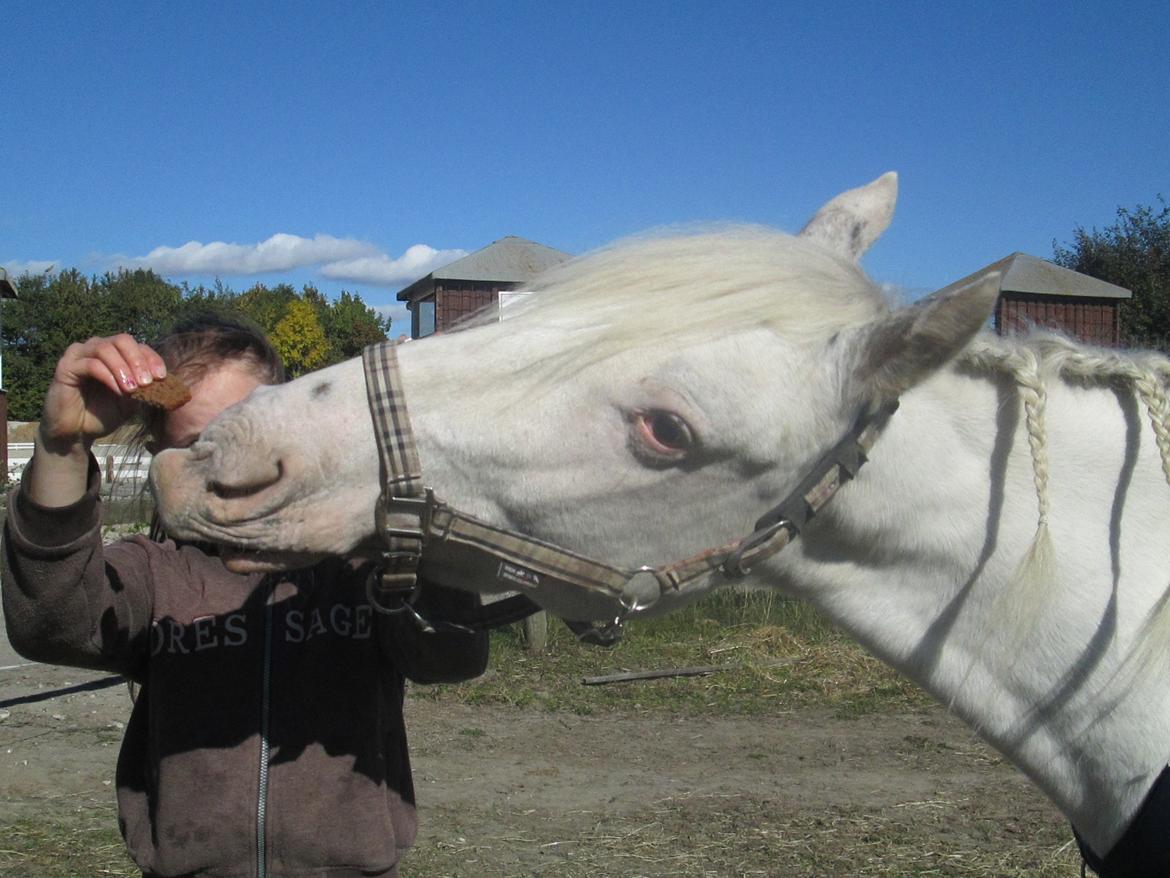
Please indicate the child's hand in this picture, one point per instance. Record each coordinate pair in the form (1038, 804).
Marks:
(89, 395)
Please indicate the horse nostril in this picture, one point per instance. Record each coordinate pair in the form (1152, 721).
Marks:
(200, 450)
(237, 485)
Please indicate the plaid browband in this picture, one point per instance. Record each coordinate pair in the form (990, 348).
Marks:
(412, 522)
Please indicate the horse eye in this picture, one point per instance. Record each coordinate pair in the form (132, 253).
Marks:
(664, 433)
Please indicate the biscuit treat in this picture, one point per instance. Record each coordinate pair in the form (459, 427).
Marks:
(166, 393)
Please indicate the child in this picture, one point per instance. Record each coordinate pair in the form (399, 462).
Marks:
(268, 737)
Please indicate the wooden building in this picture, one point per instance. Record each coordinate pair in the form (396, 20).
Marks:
(440, 300)
(1036, 293)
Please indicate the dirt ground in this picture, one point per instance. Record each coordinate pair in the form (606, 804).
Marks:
(506, 791)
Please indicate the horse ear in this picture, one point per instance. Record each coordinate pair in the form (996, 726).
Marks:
(909, 345)
(853, 220)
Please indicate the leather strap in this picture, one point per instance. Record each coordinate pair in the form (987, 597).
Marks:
(400, 515)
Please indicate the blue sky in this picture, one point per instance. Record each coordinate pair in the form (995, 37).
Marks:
(356, 145)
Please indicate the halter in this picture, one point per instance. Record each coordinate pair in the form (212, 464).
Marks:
(418, 528)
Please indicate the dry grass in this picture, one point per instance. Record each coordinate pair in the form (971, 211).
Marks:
(716, 836)
(773, 655)
(69, 844)
(776, 656)
(726, 836)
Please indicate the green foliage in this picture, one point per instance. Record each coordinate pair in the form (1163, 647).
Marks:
(300, 339)
(139, 302)
(50, 314)
(266, 307)
(352, 325)
(54, 311)
(201, 300)
(1134, 253)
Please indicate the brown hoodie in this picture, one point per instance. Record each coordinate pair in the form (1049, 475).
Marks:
(268, 738)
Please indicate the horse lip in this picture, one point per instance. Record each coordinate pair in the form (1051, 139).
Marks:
(232, 511)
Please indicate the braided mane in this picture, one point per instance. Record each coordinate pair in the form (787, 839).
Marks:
(1046, 356)
(1033, 362)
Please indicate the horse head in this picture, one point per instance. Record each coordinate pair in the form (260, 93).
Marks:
(647, 401)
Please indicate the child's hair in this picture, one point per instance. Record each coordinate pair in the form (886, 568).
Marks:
(204, 341)
(198, 343)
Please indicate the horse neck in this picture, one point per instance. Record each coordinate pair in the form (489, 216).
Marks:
(918, 559)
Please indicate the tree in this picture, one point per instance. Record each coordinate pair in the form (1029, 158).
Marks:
(51, 314)
(300, 339)
(348, 324)
(139, 302)
(266, 307)
(54, 311)
(200, 300)
(1134, 253)
(352, 325)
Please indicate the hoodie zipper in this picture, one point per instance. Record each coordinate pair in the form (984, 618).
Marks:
(265, 704)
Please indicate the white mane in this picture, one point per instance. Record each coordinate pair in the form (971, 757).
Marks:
(675, 290)
(1033, 362)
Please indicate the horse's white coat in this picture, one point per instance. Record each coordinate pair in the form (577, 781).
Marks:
(769, 346)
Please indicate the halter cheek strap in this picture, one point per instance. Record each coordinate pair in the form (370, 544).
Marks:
(419, 530)
(404, 508)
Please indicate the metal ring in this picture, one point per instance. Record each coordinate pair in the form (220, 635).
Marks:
(631, 600)
(413, 594)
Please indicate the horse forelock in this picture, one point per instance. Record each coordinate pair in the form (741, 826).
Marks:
(678, 290)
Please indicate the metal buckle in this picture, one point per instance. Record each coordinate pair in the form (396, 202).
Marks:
(734, 567)
(404, 547)
(397, 580)
(420, 508)
(410, 593)
(405, 554)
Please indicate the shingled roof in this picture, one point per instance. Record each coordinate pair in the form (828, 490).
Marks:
(1021, 273)
(508, 260)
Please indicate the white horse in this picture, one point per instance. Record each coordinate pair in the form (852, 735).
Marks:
(1005, 547)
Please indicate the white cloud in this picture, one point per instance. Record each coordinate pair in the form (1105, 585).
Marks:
(281, 252)
(336, 258)
(381, 270)
(32, 266)
(399, 318)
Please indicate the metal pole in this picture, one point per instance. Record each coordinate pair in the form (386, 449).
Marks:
(7, 291)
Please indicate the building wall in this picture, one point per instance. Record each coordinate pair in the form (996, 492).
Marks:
(456, 300)
(1091, 320)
